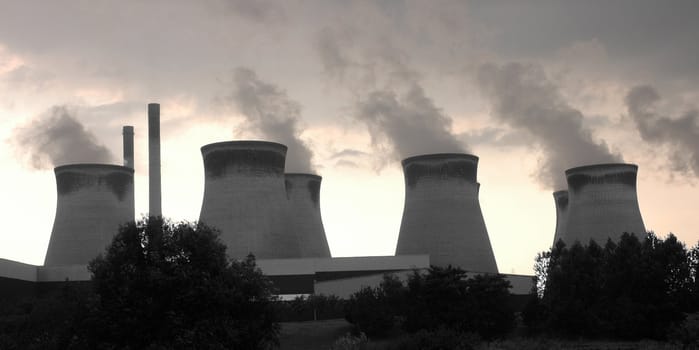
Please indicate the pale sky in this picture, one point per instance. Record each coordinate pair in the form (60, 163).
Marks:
(530, 87)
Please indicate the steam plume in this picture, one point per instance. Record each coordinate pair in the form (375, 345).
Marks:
(271, 113)
(522, 96)
(410, 124)
(57, 138)
(682, 134)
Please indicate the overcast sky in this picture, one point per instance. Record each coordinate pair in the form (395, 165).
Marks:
(352, 87)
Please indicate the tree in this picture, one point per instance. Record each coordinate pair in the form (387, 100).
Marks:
(628, 289)
(165, 285)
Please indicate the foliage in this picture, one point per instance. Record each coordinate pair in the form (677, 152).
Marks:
(687, 333)
(47, 321)
(351, 342)
(444, 297)
(311, 307)
(439, 298)
(438, 339)
(632, 289)
(165, 285)
(369, 310)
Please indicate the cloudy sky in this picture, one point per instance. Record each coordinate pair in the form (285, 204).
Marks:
(352, 87)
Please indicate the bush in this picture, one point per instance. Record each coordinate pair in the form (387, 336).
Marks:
(686, 333)
(48, 321)
(438, 339)
(350, 342)
(369, 310)
(312, 307)
(445, 298)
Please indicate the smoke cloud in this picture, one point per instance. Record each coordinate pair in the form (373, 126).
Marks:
(57, 138)
(271, 113)
(402, 120)
(409, 124)
(523, 97)
(681, 134)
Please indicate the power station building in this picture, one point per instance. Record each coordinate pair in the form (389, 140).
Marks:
(260, 209)
(442, 214)
(602, 203)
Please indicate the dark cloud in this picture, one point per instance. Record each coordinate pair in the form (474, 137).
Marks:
(681, 134)
(271, 113)
(57, 138)
(523, 97)
(407, 125)
(656, 36)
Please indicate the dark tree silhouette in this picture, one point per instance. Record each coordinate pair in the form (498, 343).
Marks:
(165, 285)
(631, 289)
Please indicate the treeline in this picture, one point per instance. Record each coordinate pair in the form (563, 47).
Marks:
(436, 302)
(159, 285)
(632, 289)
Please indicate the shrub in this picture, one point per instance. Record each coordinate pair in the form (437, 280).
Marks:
(350, 342)
(438, 339)
(686, 333)
(369, 311)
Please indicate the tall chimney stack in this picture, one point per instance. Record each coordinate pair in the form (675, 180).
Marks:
(128, 146)
(154, 197)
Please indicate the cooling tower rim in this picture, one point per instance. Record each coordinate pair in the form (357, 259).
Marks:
(560, 193)
(304, 175)
(440, 156)
(244, 144)
(603, 166)
(92, 166)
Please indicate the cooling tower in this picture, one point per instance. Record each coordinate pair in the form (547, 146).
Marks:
(304, 219)
(245, 198)
(561, 199)
(442, 215)
(128, 146)
(93, 200)
(603, 203)
(154, 194)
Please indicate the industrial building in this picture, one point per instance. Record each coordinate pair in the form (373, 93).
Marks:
(442, 215)
(603, 203)
(276, 216)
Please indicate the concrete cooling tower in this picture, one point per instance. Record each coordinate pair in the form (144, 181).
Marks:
(603, 203)
(304, 219)
(245, 198)
(442, 215)
(93, 200)
(561, 199)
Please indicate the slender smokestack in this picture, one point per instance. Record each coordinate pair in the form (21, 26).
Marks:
(442, 215)
(154, 201)
(561, 199)
(603, 203)
(128, 146)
